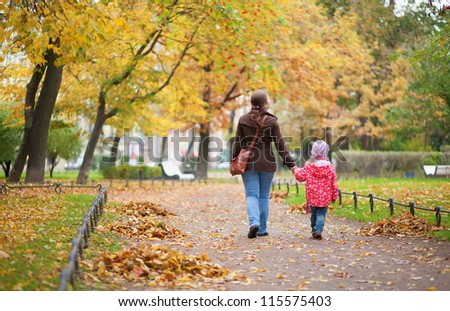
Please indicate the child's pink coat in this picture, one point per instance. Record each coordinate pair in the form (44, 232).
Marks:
(321, 184)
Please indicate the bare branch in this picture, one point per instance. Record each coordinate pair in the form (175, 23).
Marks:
(155, 39)
(182, 55)
(111, 113)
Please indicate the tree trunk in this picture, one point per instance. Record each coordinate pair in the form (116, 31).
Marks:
(6, 165)
(52, 162)
(376, 143)
(100, 120)
(366, 142)
(164, 156)
(30, 102)
(41, 120)
(202, 168)
(329, 140)
(230, 134)
(114, 151)
(52, 167)
(83, 174)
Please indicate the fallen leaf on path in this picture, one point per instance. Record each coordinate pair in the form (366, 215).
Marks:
(298, 208)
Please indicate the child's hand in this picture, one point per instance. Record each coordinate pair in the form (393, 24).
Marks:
(294, 168)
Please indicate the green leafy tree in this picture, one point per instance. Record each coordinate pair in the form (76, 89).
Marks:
(63, 143)
(10, 137)
(421, 119)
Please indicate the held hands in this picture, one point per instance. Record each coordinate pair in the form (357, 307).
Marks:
(293, 169)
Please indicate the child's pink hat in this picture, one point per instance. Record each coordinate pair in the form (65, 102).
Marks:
(320, 149)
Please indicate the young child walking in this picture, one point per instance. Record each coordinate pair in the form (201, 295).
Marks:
(321, 185)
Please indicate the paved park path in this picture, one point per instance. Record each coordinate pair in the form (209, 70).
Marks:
(214, 218)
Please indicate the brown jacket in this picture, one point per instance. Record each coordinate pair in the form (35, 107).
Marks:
(262, 156)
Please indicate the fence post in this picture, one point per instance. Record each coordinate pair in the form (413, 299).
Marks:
(273, 186)
(355, 199)
(86, 234)
(391, 205)
(287, 187)
(438, 215)
(340, 197)
(88, 224)
(371, 202)
(279, 185)
(63, 280)
(296, 187)
(411, 208)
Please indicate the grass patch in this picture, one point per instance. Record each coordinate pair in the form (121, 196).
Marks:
(38, 227)
(427, 193)
(37, 234)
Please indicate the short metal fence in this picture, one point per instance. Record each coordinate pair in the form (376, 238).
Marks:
(153, 182)
(288, 183)
(56, 186)
(391, 203)
(90, 221)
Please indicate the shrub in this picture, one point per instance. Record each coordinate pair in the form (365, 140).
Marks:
(126, 171)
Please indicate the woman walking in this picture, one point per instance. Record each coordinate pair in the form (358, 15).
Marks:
(261, 165)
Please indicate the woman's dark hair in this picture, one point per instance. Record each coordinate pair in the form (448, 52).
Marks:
(259, 101)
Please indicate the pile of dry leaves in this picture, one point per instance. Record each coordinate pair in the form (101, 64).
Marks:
(155, 265)
(401, 225)
(140, 228)
(143, 209)
(138, 221)
(298, 208)
(278, 196)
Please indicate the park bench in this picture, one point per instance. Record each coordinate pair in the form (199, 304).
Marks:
(436, 170)
(171, 171)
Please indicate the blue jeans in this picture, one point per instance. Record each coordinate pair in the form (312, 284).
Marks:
(257, 194)
(318, 218)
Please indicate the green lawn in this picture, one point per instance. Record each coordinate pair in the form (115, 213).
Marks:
(37, 233)
(427, 193)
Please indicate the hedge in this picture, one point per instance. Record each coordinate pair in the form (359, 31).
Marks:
(385, 163)
(126, 171)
